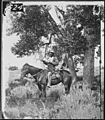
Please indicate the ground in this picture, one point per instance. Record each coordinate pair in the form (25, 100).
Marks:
(23, 101)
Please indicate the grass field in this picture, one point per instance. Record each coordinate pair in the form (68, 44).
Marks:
(23, 102)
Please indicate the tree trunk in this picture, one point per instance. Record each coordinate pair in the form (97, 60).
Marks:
(88, 71)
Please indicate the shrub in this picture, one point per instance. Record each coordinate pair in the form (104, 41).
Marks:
(18, 96)
(7, 91)
(12, 68)
(12, 113)
(17, 82)
(19, 92)
(79, 104)
(13, 84)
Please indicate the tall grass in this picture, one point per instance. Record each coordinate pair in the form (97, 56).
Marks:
(23, 101)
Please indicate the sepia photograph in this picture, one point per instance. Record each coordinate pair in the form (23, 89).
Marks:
(52, 60)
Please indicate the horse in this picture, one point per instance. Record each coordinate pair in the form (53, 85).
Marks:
(29, 69)
(65, 78)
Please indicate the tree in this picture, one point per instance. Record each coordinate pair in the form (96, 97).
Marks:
(37, 22)
(12, 68)
(30, 26)
(83, 43)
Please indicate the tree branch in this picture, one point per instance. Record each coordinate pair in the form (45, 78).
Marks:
(47, 44)
(55, 26)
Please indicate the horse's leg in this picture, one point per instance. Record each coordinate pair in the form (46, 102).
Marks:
(67, 85)
(66, 89)
(44, 91)
(40, 88)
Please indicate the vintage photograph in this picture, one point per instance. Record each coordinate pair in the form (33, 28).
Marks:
(52, 60)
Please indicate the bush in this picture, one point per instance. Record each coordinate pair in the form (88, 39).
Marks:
(13, 84)
(17, 82)
(19, 92)
(18, 96)
(8, 91)
(12, 113)
(81, 103)
(12, 68)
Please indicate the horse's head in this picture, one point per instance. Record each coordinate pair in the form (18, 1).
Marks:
(24, 71)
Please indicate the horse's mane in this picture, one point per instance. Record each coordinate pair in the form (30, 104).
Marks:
(26, 64)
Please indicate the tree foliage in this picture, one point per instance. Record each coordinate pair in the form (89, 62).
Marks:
(89, 25)
(30, 26)
(81, 28)
(36, 22)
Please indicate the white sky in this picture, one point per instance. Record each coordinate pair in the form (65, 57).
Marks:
(8, 41)
(8, 57)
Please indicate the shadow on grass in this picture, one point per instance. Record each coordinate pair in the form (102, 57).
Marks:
(52, 98)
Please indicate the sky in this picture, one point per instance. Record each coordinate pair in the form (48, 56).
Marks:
(9, 59)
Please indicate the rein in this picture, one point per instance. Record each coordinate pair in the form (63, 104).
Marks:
(36, 73)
